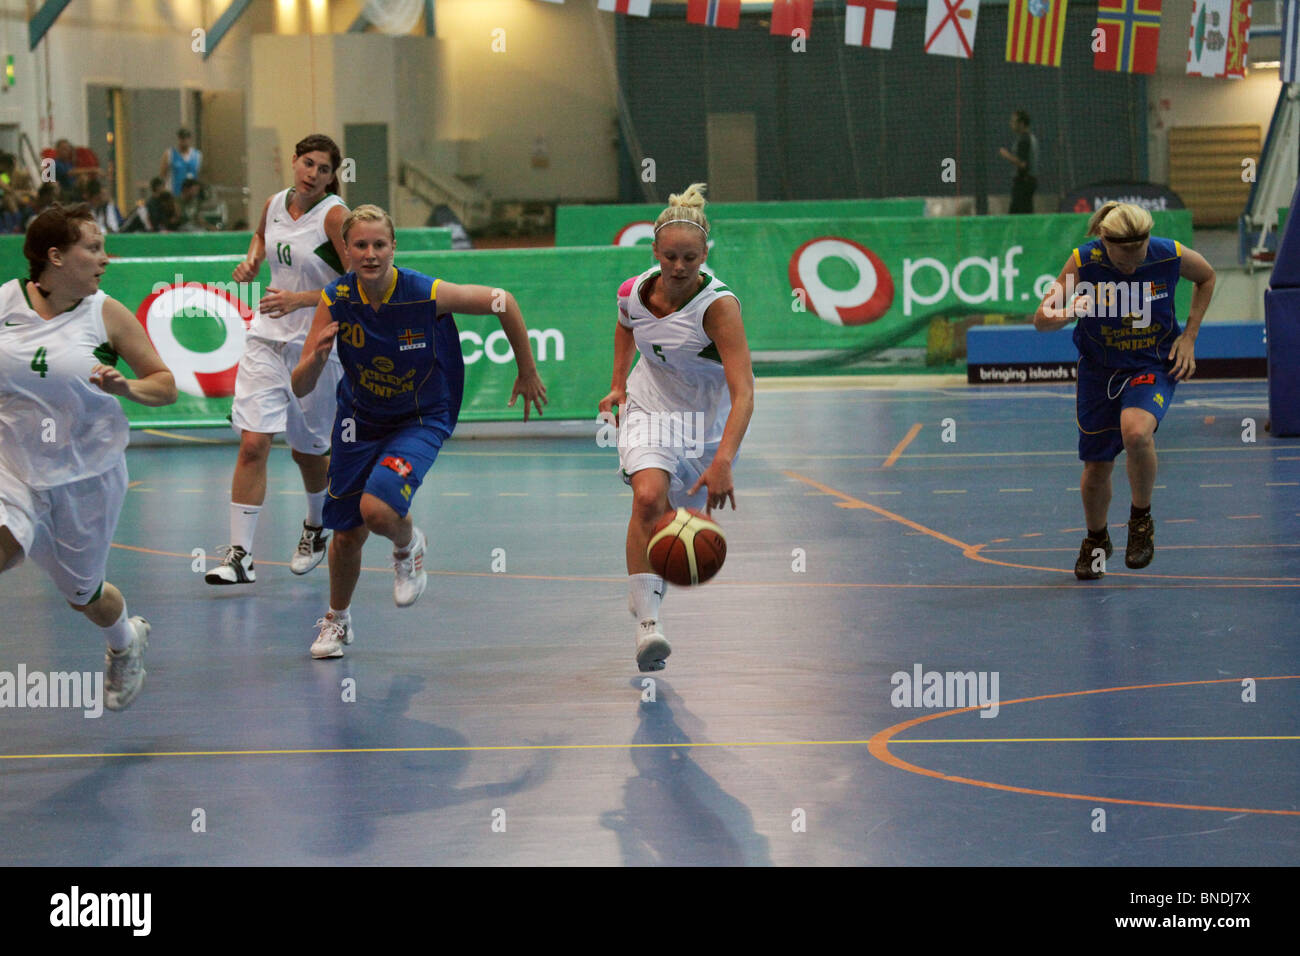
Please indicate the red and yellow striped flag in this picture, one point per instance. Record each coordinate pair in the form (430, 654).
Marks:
(1035, 29)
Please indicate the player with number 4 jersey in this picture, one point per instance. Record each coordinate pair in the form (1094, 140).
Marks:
(63, 434)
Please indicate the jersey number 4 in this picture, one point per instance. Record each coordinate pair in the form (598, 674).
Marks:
(38, 362)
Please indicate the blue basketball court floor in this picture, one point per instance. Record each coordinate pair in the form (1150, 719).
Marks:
(894, 548)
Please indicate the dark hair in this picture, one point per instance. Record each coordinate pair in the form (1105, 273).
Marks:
(155, 183)
(1021, 117)
(57, 227)
(322, 143)
(183, 133)
(92, 187)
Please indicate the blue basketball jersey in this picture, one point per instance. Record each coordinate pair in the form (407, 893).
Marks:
(402, 363)
(1110, 337)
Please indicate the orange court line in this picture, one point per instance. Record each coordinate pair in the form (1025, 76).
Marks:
(898, 449)
(878, 747)
(973, 551)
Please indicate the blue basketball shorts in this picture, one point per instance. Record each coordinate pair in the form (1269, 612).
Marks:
(391, 466)
(1104, 393)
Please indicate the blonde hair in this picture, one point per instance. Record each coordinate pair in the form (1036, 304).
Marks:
(688, 207)
(367, 212)
(1121, 222)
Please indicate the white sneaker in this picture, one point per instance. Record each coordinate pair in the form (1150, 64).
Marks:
(334, 633)
(651, 646)
(236, 567)
(410, 575)
(124, 670)
(311, 549)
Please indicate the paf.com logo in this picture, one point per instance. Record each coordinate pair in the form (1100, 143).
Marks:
(198, 330)
(843, 283)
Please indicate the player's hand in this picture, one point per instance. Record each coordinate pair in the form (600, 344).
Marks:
(277, 302)
(246, 271)
(531, 388)
(613, 403)
(110, 380)
(1182, 354)
(1081, 307)
(721, 488)
(321, 348)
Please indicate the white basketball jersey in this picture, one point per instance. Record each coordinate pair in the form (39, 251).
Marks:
(302, 258)
(679, 369)
(55, 427)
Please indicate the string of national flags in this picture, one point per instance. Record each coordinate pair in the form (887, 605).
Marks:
(1124, 39)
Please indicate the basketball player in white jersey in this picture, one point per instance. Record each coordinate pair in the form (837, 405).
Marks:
(685, 408)
(301, 233)
(63, 435)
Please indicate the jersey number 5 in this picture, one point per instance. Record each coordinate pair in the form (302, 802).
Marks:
(659, 352)
(38, 362)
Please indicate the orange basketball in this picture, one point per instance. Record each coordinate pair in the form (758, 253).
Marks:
(687, 547)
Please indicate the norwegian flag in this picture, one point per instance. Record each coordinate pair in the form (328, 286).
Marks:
(791, 15)
(714, 13)
(950, 27)
(635, 8)
(870, 23)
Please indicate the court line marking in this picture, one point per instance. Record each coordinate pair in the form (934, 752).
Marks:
(880, 742)
(1071, 740)
(898, 449)
(974, 551)
(191, 438)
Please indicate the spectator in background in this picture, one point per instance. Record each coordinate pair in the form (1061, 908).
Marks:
(180, 162)
(153, 207)
(191, 205)
(46, 196)
(107, 216)
(1024, 157)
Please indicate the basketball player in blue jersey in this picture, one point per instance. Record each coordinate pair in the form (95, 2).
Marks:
(1132, 352)
(403, 379)
(301, 233)
(695, 365)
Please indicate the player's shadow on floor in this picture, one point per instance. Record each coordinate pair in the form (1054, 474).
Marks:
(337, 799)
(673, 812)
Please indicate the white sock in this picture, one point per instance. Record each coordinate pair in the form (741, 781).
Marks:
(316, 508)
(119, 633)
(344, 615)
(243, 522)
(644, 592)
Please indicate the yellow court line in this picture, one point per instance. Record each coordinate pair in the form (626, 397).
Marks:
(898, 449)
(202, 441)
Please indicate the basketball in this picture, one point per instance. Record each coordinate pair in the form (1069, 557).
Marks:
(687, 547)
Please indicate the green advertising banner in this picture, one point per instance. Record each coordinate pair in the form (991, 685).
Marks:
(632, 224)
(177, 245)
(868, 284)
(196, 315)
(844, 285)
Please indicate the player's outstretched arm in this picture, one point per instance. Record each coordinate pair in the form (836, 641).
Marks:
(315, 351)
(153, 384)
(722, 324)
(624, 353)
(1059, 307)
(1183, 351)
(483, 300)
